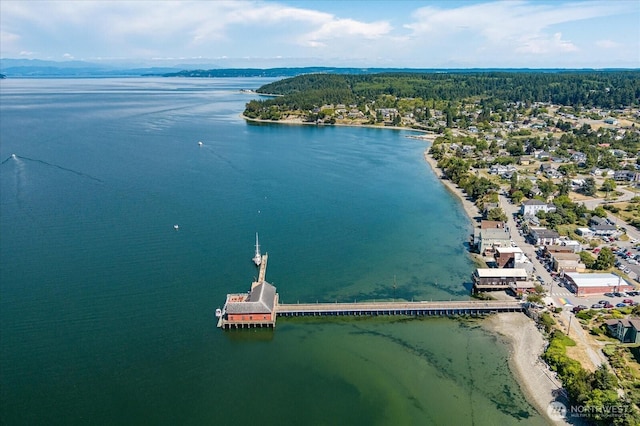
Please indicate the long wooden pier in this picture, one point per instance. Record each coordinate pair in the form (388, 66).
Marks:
(445, 308)
(260, 307)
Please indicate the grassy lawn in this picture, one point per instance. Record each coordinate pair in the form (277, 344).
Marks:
(628, 211)
(569, 230)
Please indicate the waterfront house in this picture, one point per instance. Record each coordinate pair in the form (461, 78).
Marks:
(489, 239)
(512, 257)
(625, 330)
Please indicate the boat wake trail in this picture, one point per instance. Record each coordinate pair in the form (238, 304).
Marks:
(222, 158)
(19, 179)
(13, 156)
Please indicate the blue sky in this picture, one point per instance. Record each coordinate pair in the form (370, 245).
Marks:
(358, 33)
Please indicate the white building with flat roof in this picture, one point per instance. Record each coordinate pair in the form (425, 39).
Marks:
(587, 284)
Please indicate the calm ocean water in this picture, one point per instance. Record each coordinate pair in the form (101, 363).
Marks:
(107, 312)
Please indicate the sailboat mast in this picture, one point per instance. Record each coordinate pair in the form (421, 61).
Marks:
(257, 258)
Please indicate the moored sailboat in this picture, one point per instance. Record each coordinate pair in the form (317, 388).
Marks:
(257, 258)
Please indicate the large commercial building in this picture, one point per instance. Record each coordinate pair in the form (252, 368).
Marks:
(587, 284)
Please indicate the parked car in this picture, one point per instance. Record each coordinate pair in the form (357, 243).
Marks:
(579, 308)
(621, 305)
(608, 305)
(628, 301)
(609, 294)
(602, 302)
(597, 306)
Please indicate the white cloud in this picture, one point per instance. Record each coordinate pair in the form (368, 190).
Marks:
(469, 33)
(154, 26)
(9, 41)
(514, 25)
(541, 44)
(68, 56)
(607, 44)
(339, 28)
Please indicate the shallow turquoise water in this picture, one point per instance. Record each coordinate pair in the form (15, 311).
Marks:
(107, 312)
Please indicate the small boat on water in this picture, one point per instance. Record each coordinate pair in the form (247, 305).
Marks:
(257, 258)
(200, 143)
(218, 313)
(176, 227)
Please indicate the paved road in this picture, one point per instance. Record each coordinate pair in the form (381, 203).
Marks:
(539, 269)
(595, 202)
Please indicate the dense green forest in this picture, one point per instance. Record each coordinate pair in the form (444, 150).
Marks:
(605, 89)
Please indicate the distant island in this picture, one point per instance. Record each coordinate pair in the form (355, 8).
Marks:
(37, 68)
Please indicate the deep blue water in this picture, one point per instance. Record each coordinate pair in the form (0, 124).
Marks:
(107, 312)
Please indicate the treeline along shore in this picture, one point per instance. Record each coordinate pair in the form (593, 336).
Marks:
(385, 97)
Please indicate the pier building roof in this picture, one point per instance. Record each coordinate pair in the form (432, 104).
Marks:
(261, 300)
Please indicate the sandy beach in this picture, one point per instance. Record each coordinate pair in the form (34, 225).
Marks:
(469, 207)
(537, 382)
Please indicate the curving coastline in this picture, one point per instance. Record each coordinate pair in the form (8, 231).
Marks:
(517, 330)
(298, 121)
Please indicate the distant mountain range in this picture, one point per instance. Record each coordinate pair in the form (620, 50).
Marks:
(36, 68)
(41, 68)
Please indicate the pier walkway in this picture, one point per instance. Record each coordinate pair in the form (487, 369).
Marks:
(445, 308)
(260, 307)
